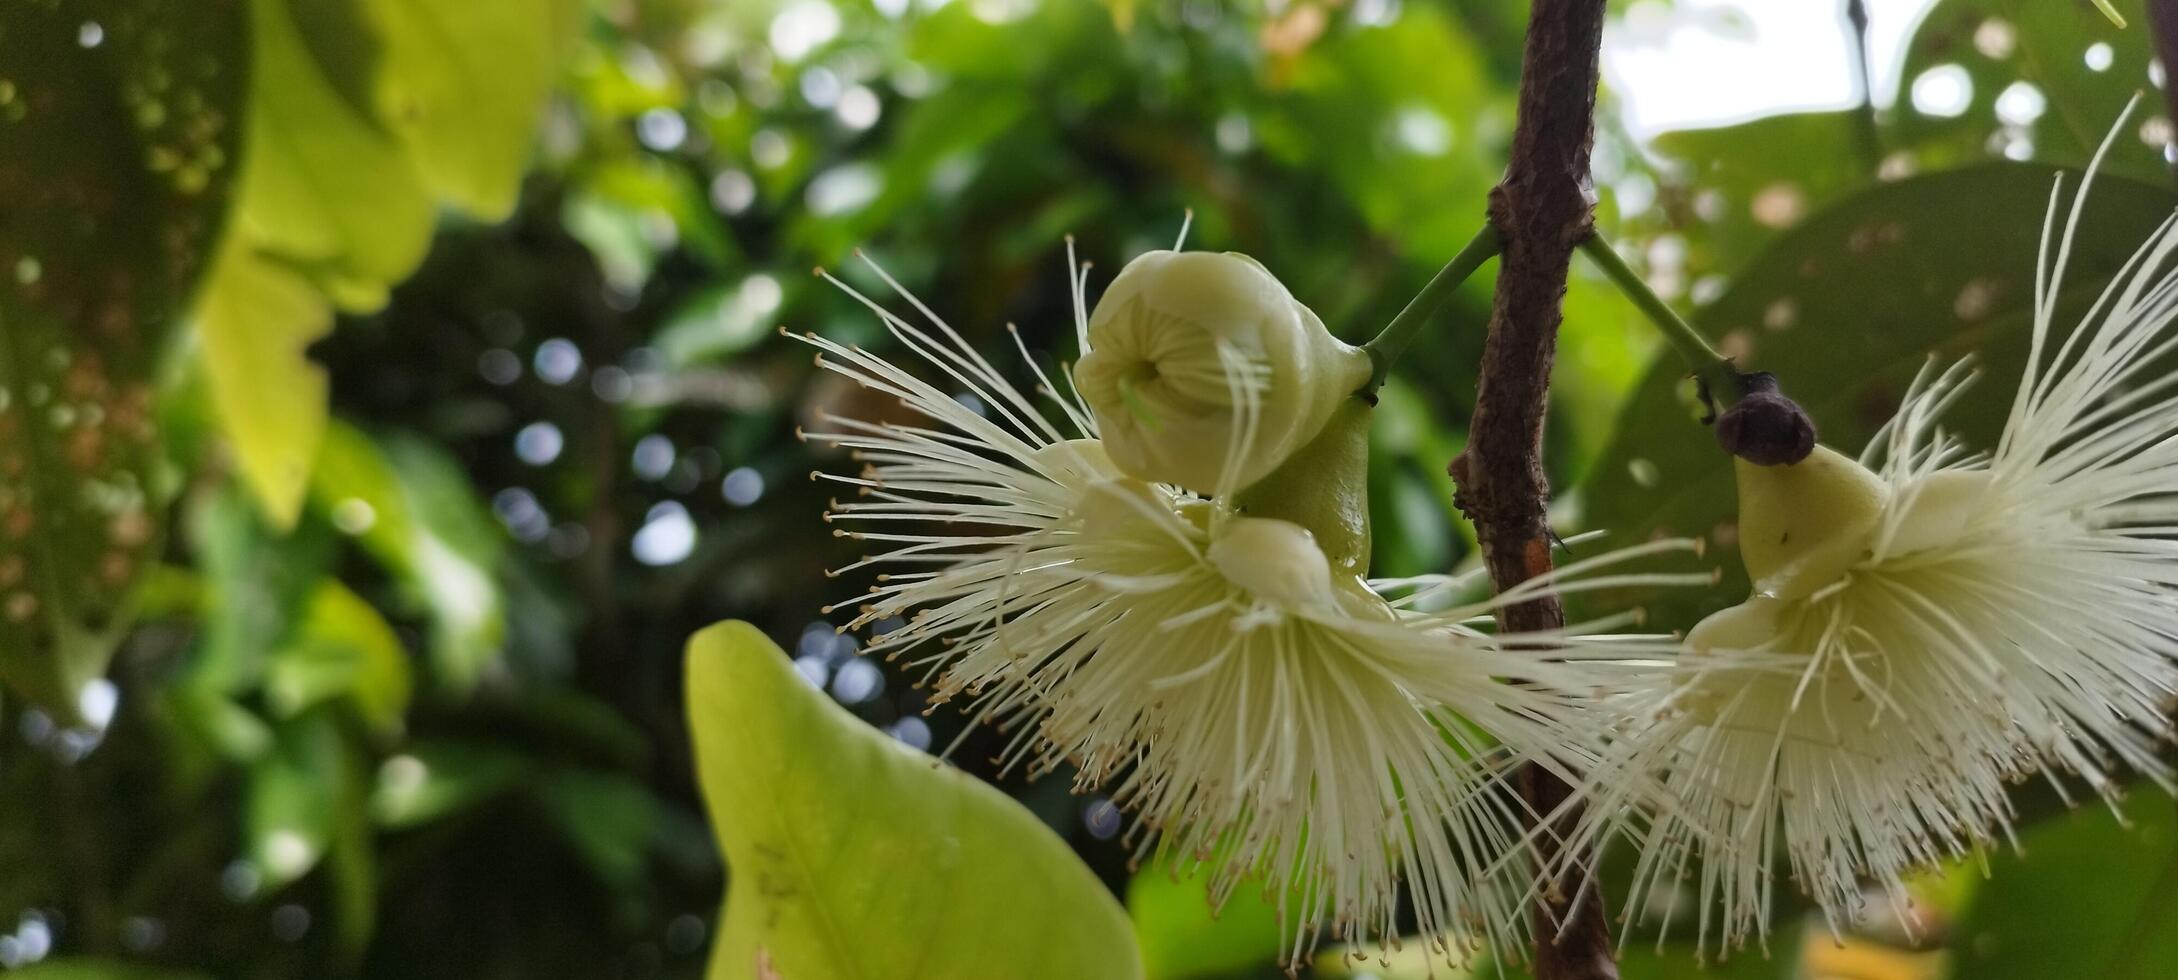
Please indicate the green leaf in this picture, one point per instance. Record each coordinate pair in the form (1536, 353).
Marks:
(91, 968)
(255, 320)
(259, 587)
(294, 801)
(1400, 118)
(718, 321)
(2082, 897)
(1182, 937)
(414, 510)
(328, 188)
(1846, 309)
(1761, 177)
(115, 166)
(434, 780)
(344, 648)
(464, 83)
(365, 114)
(306, 807)
(2045, 45)
(852, 855)
(607, 818)
(330, 203)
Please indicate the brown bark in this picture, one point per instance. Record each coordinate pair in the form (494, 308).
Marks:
(1541, 210)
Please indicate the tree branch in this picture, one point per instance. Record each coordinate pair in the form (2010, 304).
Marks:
(1542, 211)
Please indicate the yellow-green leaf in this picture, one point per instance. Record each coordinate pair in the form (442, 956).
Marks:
(326, 187)
(365, 115)
(852, 855)
(1184, 938)
(254, 322)
(463, 84)
(343, 648)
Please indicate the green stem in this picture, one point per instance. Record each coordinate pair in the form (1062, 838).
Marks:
(1714, 369)
(1393, 341)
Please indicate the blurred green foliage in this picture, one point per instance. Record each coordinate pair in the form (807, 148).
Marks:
(454, 460)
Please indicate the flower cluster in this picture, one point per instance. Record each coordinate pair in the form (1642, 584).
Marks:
(1214, 659)
(1156, 581)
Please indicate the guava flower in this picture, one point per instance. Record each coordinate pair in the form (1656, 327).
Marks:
(1929, 624)
(1268, 718)
(1180, 355)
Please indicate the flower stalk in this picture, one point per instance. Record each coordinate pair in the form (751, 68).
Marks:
(1714, 370)
(1385, 348)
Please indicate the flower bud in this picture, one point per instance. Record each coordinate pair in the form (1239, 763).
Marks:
(1801, 525)
(1204, 372)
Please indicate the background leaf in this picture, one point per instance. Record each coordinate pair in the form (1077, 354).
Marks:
(800, 838)
(367, 114)
(2116, 884)
(115, 164)
(1182, 937)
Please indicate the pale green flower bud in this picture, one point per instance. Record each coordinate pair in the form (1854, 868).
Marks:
(1204, 372)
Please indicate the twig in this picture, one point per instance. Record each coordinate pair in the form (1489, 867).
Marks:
(1393, 341)
(1716, 372)
(1542, 211)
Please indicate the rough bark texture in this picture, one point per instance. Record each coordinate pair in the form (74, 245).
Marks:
(1542, 210)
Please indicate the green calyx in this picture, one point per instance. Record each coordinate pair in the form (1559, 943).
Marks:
(1324, 488)
(1802, 525)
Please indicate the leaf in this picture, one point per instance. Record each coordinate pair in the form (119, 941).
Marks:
(1182, 937)
(293, 802)
(434, 780)
(464, 84)
(1846, 309)
(306, 806)
(259, 588)
(2045, 45)
(718, 321)
(1752, 180)
(607, 818)
(413, 509)
(328, 189)
(256, 319)
(2082, 897)
(1399, 118)
(344, 648)
(852, 855)
(364, 115)
(115, 166)
(90, 968)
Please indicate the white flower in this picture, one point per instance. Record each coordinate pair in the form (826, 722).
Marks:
(1264, 715)
(1924, 632)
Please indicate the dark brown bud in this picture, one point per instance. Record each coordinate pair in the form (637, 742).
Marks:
(1764, 427)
